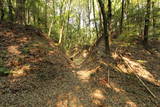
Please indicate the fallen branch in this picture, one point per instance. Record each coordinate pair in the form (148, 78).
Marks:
(118, 69)
(146, 86)
(139, 78)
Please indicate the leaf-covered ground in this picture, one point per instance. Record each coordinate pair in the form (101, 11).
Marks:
(40, 75)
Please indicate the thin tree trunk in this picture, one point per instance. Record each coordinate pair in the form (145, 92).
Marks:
(79, 25)
(122, 17)
(46, 18)
(100, 23)
(38, 19)
(94, 15)
(61, 35)
(89, 17)
(146, 26)
(105, 29)
(50, 28)
(109, 19)
(153, 18)
(20, 11)
(140, 24)
(79, 19)
(1, 10)
(62, 23)
(53, 20)
(10, 8)
(68, 16)
(28, 16)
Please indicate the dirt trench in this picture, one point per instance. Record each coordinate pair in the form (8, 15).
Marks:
(42, 76)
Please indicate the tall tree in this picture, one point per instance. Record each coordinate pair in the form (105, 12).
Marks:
(146, 26)
(20, 11)
(89, 16)
(10, 8)
(68, 15)
(122, 16)
(100, 22)
(46, 18)
(53, 19)
(105, 34)
(94, 15)
(2, 10)
(109, 19)
(153, 18)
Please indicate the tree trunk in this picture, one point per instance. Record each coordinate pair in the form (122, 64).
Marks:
(122, 17)
(105, 29)
(100, 23)
(153, 19)
(2, 10)
(53, 20)
(89, 16)
(146, 26)
(109, 19)
(62, 25)
(10, 8)
(94, 15)
(50, 28)
(20, 11)
(68, 16)
(46, 18)
(28, 16)
(79, 23)
(61, 35)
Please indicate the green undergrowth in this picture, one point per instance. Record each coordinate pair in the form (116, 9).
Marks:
(4, 71)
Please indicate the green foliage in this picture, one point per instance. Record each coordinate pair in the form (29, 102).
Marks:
(1, 61)
(4, 52)
(76, 17)
(25, 50)
(4, 71)
(127, 37)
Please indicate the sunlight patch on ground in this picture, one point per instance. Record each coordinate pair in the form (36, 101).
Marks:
(68, 100)
(127, 65)
(130, 104)
(98, 94)
(138, 69)
(23, 39)
(51, 52)
(85, 75)
(21, 71)
(114, 55)
(13, 50)
(115, 87)
(97, 97)
(97, 102)
(62, 103)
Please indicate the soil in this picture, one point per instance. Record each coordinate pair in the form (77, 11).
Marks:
(42, 76)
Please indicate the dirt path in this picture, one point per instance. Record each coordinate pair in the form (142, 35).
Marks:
(85, 88)
(43, 77)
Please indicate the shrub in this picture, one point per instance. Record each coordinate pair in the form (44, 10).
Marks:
(4, 71)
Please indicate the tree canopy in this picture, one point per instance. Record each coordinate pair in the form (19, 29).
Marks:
(79, 22)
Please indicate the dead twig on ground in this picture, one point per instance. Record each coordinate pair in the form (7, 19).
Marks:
(118, 69)
(145, 86)
(148, 89)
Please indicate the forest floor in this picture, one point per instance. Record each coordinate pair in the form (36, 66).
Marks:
(42, 76)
